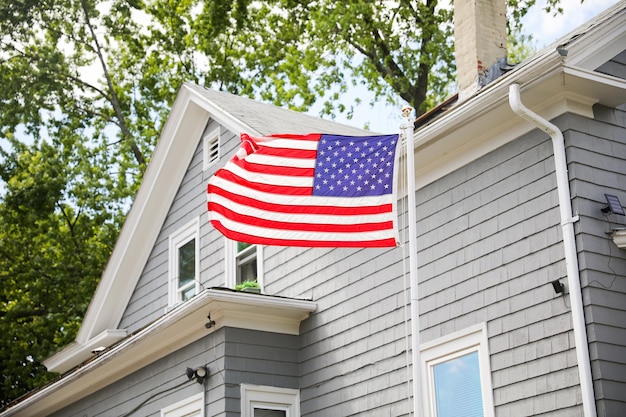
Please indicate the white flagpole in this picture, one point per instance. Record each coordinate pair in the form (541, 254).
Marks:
(407, 127)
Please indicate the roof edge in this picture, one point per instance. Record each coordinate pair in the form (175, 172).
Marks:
(183, 325)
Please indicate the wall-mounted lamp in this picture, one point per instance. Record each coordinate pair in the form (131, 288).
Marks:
(200, 374)
(558, 286)
(614, 206)
(209, 323)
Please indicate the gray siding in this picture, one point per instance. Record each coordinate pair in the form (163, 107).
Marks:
(149, 300)
(259, 358)
(597, 155)
(233, 356)
(490, 244)
(615, 66)
(159, 385)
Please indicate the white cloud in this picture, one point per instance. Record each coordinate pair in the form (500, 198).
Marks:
(546, 28)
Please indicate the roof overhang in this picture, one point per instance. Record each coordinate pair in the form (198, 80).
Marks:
(559, 79)
(168, 164)
(181, 326)
(486, 121)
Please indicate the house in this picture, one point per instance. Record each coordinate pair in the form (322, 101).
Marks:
(521, 303)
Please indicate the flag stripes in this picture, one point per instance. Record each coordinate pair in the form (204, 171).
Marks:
(268, 192)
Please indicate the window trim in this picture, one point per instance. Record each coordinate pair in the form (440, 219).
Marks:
(463, 342)
(186, 406)
(207, 144)
(231, 264)
(183, 235)
(274, 398)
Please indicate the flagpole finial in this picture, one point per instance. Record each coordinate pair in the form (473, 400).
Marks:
(406, 111)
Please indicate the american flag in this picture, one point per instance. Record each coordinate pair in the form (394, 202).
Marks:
(315, 190)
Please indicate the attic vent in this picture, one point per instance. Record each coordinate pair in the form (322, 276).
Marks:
(211, 144)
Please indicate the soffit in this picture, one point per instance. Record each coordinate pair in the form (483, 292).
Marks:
(178, 328)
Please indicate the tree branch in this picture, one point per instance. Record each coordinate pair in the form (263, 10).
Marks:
(114, 99)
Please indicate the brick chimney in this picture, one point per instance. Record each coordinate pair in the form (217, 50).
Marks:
(480, 41)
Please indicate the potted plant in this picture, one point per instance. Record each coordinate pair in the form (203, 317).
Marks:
(248, 286)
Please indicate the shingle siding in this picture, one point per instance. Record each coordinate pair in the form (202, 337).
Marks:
(597, 155)
(489, 245)
(149, 301)
(164, 380)
(615, 66)
(233, 356)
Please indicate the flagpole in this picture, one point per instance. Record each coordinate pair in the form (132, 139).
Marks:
(408, 128)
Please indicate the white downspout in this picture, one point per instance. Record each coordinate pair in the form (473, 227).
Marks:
(571, 259)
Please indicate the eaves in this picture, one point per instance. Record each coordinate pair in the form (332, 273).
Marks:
(181, 326)
(485, 122)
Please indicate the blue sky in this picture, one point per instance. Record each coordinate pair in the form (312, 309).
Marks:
(544, 27)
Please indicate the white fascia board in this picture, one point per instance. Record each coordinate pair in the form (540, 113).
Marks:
(168, 164)
(218, 114)
(485, 122)
(66, 359)
(181, 326)
(601, 43)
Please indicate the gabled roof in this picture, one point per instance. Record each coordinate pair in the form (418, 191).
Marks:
(193, 107)
(569, 83)
(260, 118)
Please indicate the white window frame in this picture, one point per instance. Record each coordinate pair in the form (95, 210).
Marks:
(271, 398)
(193, 404)
(231, 264)
(461, 343)
(177, 239)
(210, 140)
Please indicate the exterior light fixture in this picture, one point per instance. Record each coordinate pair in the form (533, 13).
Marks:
(200, 374)
(614, 206)
(209, 323)
(558, 286)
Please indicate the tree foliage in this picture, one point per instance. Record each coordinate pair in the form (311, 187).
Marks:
(85, 86)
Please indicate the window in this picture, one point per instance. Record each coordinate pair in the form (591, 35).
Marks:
(245, 259)
(189, 407)
(457, 376)
(211, 148)
(184, 255)
(244, 263)
(265, 401)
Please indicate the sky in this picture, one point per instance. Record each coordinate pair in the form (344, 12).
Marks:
(544, 28)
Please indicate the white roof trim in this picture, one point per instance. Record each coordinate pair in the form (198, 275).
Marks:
(220, 115)
(180, 327)
(66, 359)
(168, 164)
